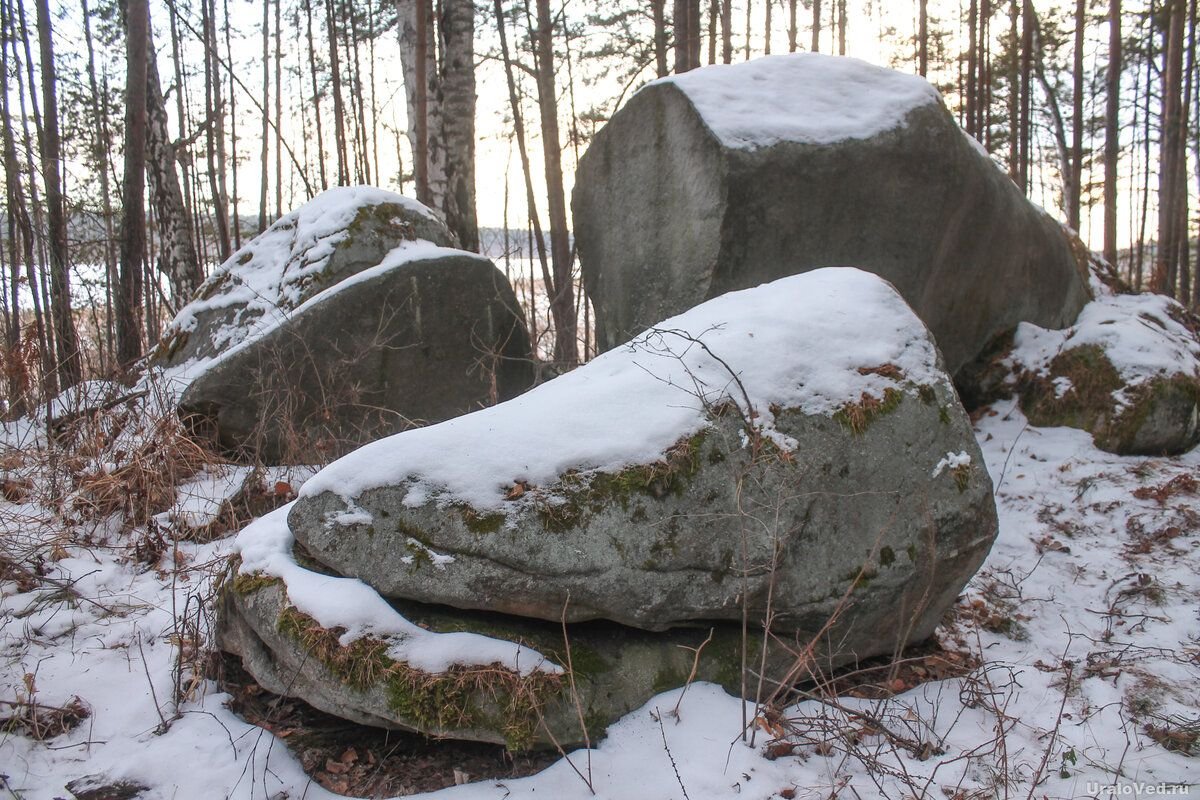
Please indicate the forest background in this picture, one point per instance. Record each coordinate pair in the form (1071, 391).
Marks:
(145, 141)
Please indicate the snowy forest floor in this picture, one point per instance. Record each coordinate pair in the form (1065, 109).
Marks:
(1070, 666)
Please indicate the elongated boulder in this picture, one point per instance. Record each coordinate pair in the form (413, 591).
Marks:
(426, 334)
(797, 447)
(1127, 371)
(732, 175)
(442, 672)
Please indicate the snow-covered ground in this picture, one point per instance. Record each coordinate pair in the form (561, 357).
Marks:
(1084, 618)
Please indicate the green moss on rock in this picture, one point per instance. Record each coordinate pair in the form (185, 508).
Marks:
(1156, 418)
(461, 698)
(858, 416)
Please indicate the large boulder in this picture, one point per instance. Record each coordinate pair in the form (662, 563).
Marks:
(731, 175)
(1127, 371)
(427, 334)
(794, 451)
(347, 320)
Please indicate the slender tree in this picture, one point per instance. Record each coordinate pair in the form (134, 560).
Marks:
(133, 215)
(1112, 131)
(177, 258)
(816, 26)
(1075, 182)
(458, 119)
(923, 38)
(562, 301)
(792, 29)
(70, 366)
(1166, 260)
(658, 13)
(264, 154)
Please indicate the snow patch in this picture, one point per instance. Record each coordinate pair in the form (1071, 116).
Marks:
(952, 461)
(801, 97)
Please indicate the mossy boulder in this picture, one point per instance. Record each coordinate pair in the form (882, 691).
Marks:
(759, 455)
(733, 175)
(614, 670)
(1082, 389)
(1128, 372)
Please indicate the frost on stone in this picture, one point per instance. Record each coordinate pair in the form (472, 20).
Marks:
(952, 461)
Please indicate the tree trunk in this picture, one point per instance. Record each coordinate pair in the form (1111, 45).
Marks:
(1014, 94)
(537, 240)
(679, 19)
(658, 12)
(102, 146)
(278, 114)
(233, 136)
(335, 70)
(562, 301)
(1183, 241)
(264, 151)
(133, 214)
(726, 31)
(1075, 186)
(70, 367)
(422, 87)
(312, 66)
(177, 252)
(458, 119)
(816, 26)
(714, 13)
(1112, 131)
(792, 29)
(1026, 127)
(221, 198)
(923, 38)
(1060, 128)
(767, 28)
(842, 20)
(1166, 257)
(972, 92)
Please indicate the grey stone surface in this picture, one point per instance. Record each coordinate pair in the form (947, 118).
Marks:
(666, 217)
(850, 513)
(422, 342)
(616, 670)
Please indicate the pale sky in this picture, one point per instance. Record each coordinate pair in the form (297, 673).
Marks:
(496, 157)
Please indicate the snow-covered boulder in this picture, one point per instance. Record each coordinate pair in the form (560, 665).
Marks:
(1128, 371)
(426, 334)
(346, 320)
(797, 445)
(731, 175)
(339, 233)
